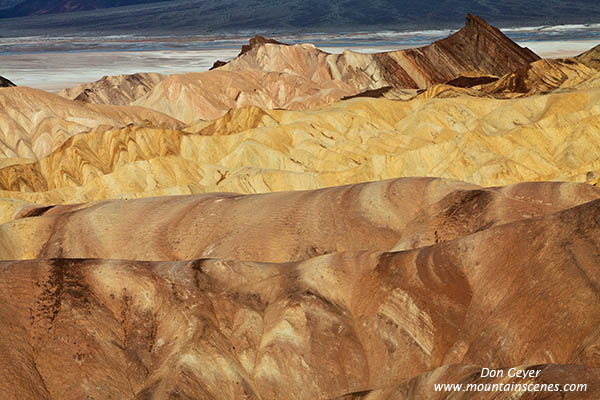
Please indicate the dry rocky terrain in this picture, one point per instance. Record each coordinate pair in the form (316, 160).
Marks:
(295, 224)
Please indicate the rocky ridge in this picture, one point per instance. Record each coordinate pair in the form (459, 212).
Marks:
(250, 150)
(274, 75)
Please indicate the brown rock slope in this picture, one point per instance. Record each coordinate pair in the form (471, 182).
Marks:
(275, 75)
(116, 90)
(523, 293)
(280, 227)
(538, 77)
(33, 123)
(208, 95)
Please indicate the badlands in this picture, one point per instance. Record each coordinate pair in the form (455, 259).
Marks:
(294, 224)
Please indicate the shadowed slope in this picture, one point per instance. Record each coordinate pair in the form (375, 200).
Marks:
(5, 82)
(542, 77)
(191, 17)
(591, 58)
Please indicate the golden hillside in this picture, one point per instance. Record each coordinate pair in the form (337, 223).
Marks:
(483, 141)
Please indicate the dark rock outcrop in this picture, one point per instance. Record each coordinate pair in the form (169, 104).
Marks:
(470, 81)
(6, 83)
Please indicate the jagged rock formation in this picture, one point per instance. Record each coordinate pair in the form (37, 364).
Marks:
(5, 82)
(117, 90)
(476, 49)
(34, 123)
(319, 328)
(256, 41)
(307, 77)
(541, 77)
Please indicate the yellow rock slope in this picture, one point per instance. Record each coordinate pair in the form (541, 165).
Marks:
(483, 141)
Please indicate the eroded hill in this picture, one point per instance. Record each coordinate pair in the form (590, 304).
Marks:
(116, 90)
(34, 123)
(483, 141)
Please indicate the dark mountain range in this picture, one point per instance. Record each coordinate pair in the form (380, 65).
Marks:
(284, 15)
(8, 3)
(41, 7)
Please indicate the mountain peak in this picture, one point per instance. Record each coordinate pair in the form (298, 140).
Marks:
(486, 47)
(476, 20)
(258, 41)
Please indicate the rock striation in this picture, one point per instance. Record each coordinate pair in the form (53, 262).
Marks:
(209, 95)
(476, 49)
(540, 77)
(287, 228)
(591, 58)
